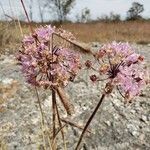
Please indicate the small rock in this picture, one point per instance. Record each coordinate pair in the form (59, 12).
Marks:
(133, 111)
(132, 129)
(108, 123)
(144, 118)
(7, 81)
(8, 60)
(135, 133)
(116, 116)
(141, 137)
(148, 117)
(95, 44)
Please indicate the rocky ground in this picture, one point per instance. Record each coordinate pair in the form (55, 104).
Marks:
(116, 126)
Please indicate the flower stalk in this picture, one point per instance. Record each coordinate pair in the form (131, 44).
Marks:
(89, 121)
(54, 112)
(123, 68)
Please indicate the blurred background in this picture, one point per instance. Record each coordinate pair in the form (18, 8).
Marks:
(105, 20)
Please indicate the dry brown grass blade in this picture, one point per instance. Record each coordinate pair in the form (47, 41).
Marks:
(42, 117)
(74, 124)
(20, 28)
(54, 144)
(54, 112)
(60, 126)
(77, 44)
(60, 130)
(65, 101)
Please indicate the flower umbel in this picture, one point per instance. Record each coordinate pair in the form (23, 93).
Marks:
(123, 67)
(44, 65)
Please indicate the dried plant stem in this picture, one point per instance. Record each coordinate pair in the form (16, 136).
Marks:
(24, 8)
(57, 134)
(42, 118)
(19, 24)
(74, 124)
(12, 12)
(64, 98)
(60, 126)
(89, 120)
(59, 130)
(54, 112)
(72, 42)
(53, 97)
(42, 122)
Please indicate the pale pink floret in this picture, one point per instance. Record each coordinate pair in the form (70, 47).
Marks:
(132, 58)
(115, 48)
(131, 79)
(44, 33)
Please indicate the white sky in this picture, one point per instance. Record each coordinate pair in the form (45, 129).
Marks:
(97, 8)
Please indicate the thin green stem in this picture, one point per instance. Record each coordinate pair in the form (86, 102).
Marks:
(89, 120)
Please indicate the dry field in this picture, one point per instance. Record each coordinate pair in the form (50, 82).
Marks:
(138, 32)
(116, 126)
(134, 32)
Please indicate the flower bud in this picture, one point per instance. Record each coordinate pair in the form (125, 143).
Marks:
(88, 64)
(93, 78)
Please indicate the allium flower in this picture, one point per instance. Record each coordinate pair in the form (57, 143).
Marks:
(121, 68)
(46, 66)
(118, 63)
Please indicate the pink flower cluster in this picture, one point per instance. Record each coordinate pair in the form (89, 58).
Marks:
(44, 65)
(118, 63)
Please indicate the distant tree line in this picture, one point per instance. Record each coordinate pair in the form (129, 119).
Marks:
(60, 9)
(134, 13)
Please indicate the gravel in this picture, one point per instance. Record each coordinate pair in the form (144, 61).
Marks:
(117, 126)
